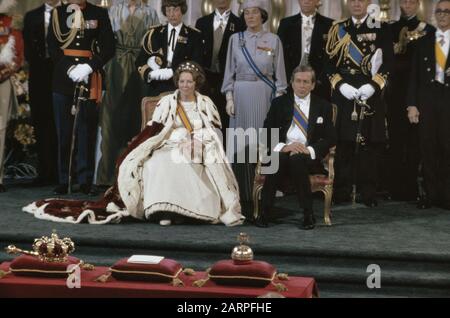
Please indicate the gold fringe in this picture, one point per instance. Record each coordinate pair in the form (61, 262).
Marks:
(189, 272)
(3, 273)
(177, 282)
(280, 287)
(283, 276)
(87, 267)
(103, 278)
(208, 270)
(200, 283)
(336, 46)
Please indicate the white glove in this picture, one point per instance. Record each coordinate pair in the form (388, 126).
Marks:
(349, 91)
(80, 72)
(154, 76)
(230, 104)
(152, 63)
(166, 74)
(366, 91)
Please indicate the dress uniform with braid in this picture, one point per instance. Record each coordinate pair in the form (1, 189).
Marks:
(359, 53)
(169, 52)
(79, 53)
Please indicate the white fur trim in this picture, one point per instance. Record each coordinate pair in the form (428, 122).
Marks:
(8, 52)
(115, 217)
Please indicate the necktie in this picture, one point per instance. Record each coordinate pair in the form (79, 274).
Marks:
(172, 39)
(358, 24)
(300, 119)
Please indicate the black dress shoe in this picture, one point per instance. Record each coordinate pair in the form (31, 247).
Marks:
(261, 221)
(62, 189)
(371, 203)
(2, 188)
(309, 222)
(423, 204)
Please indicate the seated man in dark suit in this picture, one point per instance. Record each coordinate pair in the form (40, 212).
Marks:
(306, 133)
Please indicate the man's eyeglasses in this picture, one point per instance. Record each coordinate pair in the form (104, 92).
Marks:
(443, 12)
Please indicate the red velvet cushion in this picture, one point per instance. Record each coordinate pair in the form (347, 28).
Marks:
(164, 272)
(26, 265)
(255, 273)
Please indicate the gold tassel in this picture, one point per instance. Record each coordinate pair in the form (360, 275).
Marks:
(3, 273)
(87, 267)
(283, 276)
(280, 287)
(355, 113)
(208, 270)
(177, 282)
(200, 283)
(188, 272)
(103, 278)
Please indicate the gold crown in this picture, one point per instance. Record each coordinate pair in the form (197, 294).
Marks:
(242, 254)
(48, 249)
(187, 66)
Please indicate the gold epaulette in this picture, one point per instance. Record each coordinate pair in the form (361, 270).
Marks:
(195, 29)
(154, 26)
(339, 21)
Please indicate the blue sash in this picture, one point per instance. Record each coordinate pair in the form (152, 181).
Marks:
(354, 52)
(254, 67)
(300, 120)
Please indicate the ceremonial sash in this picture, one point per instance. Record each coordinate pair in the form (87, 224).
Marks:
(353, 51)
(96, 90)
(184, 118)
(253, 65)
(301, 120)
(440, 56)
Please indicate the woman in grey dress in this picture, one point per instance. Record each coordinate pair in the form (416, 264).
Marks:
(120, 111)
(250, 88)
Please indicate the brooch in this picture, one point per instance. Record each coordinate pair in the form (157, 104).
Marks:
(268, 50)
(182, 39)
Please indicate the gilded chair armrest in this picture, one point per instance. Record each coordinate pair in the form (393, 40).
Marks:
(331, 157)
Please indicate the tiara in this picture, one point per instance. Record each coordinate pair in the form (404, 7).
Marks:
(188, 67)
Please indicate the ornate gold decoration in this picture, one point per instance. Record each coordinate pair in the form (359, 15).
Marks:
(242, 253)
(48, 249)
(385, 8)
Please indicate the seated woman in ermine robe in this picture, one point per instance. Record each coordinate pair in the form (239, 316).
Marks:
(176, 168)
(183, 169)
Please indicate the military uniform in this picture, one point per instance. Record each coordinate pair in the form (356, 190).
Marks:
(403, 153)
(92, 43)
(354, 58)
(156, 43)
(11, 58)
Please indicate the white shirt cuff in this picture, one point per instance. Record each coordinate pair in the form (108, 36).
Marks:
(312, 152)
(279, 147)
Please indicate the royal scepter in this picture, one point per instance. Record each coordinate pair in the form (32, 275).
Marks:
(78, 98)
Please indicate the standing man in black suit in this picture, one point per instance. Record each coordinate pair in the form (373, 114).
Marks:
(304, 37)
(36, 27)
(429, 106)
(80, 42)
(165, 47)
(217, 28)
(404, 155)
(306, 131)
